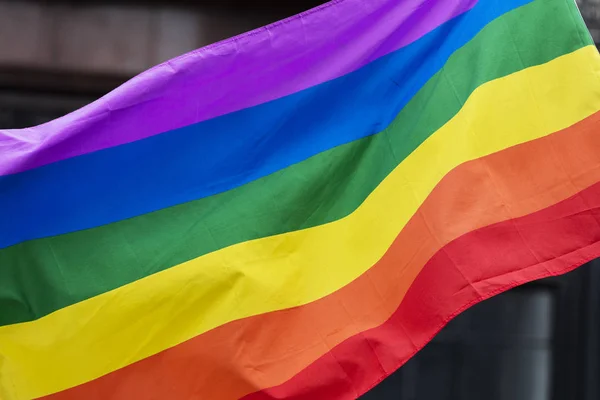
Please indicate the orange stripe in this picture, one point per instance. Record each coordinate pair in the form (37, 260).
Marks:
(263, 351)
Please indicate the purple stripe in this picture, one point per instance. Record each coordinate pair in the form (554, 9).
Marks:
(262, 65)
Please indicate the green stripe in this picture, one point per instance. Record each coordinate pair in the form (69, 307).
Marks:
(41, 276)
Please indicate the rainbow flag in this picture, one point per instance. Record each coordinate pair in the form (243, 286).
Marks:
(296, 211)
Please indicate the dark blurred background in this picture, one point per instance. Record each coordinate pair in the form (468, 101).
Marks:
(537, 342)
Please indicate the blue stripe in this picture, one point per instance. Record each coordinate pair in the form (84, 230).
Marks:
(226, 152)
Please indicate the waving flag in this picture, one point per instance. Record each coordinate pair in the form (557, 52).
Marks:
(294, 212)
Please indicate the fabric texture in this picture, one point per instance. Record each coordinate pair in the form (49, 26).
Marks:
(295, 212)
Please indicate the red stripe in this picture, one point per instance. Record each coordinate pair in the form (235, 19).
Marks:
(470, 269)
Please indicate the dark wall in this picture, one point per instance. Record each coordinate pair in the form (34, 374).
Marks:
(536, 342)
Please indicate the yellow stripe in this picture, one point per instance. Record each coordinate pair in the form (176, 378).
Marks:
(89, 339)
